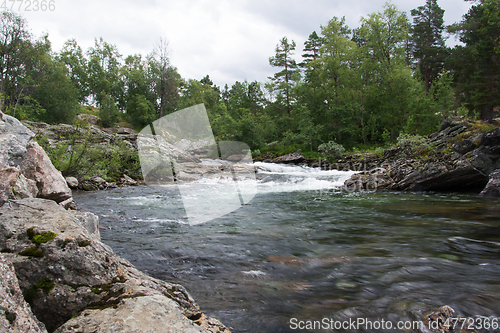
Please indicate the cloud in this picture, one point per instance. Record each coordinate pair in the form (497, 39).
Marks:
(228, 40)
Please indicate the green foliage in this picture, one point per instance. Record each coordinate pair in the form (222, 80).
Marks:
(108, 112)
(413, 142)
(331, 149)
(140, 110)
(80, 157)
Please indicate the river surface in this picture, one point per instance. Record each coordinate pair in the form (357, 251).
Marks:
(304, 250)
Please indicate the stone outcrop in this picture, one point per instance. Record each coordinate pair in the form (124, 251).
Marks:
(15, 313)
(463, 156)
(492, 189)
(73, 281)
(37, 166)
(292, 158)
(25, 169)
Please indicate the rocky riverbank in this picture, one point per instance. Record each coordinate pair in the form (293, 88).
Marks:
(56, 275)
(463, 155)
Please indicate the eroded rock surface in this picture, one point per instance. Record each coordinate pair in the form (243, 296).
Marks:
(25, 169)
(460, 157)
(64, 271)
(15, 313)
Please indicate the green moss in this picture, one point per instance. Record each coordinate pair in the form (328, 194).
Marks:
(30, 294)
(44, 237)
(32, 252)
(40, 238)
(46, 285)
(84, 243)
(75, 315)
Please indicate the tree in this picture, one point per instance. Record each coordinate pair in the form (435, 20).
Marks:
(165, 78)
(14, 45)
(428, 42)
(108, 112)
(285, 78)
(72, 56)
(477, 64)
(103, 70)
(56, 93)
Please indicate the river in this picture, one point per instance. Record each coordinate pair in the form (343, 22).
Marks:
(305, 250)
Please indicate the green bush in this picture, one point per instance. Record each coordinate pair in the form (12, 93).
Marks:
(413, 142)
(331, 149)
(83, 158)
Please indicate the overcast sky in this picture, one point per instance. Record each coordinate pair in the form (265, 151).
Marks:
(231, 40)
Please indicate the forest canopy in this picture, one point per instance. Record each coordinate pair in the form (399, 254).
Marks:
(358, 87)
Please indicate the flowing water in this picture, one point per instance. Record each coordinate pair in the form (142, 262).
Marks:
(304, 248)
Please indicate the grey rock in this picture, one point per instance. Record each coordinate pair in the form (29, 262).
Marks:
(24, 188)
(69, 204)
(492, 138)
(75, 272)
(98, 180)
(15, 313)
(8, 179)
(127, 181)
(464, 146)
(90, 118)
(89, 222)
(13, 140)
(154, 314)
(492, 189)
(37, 166)
(290, 158)
(72, 182)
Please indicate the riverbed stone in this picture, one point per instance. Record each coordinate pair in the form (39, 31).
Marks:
(15, 313)
(64, 270)
(72, 182)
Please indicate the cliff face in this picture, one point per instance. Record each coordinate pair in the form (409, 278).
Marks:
(70, 279)
(462, 156)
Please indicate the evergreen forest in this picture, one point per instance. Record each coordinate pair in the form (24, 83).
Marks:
(360, 87)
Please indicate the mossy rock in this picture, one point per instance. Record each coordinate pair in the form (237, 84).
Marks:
(32, 252)
(40, 238)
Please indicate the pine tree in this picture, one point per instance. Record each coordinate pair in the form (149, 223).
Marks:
(285, 78)
(428, 42)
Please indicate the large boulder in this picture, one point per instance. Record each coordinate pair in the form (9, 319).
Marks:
(15, 313)
(37, 166)
(13, 140)
(65, 272)
(25, 169)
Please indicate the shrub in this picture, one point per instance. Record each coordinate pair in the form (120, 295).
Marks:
(331, 149)
(413, 142)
